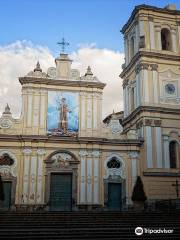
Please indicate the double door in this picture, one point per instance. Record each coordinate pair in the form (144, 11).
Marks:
(61, 192)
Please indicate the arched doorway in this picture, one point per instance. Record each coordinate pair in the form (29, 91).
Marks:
(8, 165)
(114, 183)
(61, 181)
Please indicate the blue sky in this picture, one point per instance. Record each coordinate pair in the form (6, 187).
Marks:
(44, 22)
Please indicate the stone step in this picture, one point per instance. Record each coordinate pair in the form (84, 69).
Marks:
(88, 225)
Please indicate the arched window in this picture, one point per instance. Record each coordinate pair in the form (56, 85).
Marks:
(166, 39)
(5, 159)
(114, 163)
(132, 47)
(173, 152)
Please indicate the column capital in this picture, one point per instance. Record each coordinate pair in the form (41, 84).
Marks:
(96, 153)
(154, 67)
(166, 138)
(151, 19)
(157, 122)
(83, 153)
(133, 155)
(27, 151)
(141, 66)
(125, 83)
(41, 151)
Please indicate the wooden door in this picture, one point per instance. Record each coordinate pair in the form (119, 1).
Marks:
(5, 205)
(114, 196)
(61, 192)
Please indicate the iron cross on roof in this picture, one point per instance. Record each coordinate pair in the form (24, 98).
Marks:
(63, 44)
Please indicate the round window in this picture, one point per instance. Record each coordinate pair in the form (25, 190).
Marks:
(170, 88)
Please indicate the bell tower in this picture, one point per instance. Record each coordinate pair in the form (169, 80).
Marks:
(151, 87)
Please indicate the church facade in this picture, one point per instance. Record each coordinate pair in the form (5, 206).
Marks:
(60, 156)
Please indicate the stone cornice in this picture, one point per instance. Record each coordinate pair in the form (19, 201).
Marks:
(149, 122)
(147, 7)
(141, 109)
(70, 140)
(138, 68)
(53, 82)
(161, 174)
(151, 55)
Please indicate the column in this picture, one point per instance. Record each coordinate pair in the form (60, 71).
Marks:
(134, 167)
(40, 177)
(99, 104)
(127, 101)
(25, 195)
(32, 179)
(135, 96)
(129, 54)
(174, 45)
(145, 83)
(158, 34)
(36, 110)
(95, 111)
(83, 110)
(43, 109)
(166, 152)
(149, 146)
(29, 108)
(179, 33)
(96, 179)
(151, 33)
(24, 104)
(138, 89)
(136, 38)
(83, 155)
(89, 177)
(124, 101)
(89, 111)
(154, 68)
(126, 98)
(158, 147)
(126, 51)
(141, 28)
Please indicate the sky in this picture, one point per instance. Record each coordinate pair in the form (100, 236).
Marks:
(30, 30)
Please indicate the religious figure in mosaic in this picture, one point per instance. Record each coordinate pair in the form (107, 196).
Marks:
(63, 119)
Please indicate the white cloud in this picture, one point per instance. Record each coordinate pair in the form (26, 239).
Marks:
(106, 65)
(18, 58)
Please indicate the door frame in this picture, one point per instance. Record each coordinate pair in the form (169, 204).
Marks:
(120, 204)
(62, 173)
(116, 180)
(72, 169)
(13, 180)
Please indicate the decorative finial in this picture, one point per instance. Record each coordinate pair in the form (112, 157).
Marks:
(63, 44)
(113, 112)
(89, 72)
(38, 67)
(7, 109)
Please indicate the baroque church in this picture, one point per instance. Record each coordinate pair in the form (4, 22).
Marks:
(61, 156)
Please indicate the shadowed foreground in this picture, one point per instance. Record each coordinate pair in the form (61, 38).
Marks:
(86, 225)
